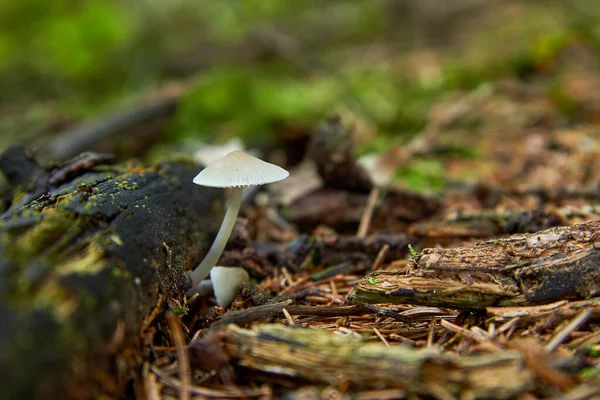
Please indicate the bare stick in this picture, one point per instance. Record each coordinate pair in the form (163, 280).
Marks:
(385, 249)
(365, 220)
(562, 334)
(182, 357)
(431, 333)
(381, 337)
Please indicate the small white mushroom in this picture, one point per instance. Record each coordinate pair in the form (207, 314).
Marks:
(236, 170)
(227, 282)
(224, 283)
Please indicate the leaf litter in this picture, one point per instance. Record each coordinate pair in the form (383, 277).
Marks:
(486, 291)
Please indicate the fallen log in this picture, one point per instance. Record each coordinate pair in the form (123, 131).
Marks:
(86, 250)
(524, 269)
(324, 357)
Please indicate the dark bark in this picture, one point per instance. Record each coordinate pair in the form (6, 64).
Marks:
(85, 249)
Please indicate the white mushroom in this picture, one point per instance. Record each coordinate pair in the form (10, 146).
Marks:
(227, 282)
(224, 282)
(236, 170)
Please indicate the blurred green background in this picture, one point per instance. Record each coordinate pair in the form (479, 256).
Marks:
(253, 68)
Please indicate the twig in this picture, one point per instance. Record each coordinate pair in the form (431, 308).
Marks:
(492, 329)
(507, 325)
(381, 337)
(150, 385)
(562, 334)
(365, 220)
(288, 317)
(512, 330)
(384, 312)
(287, 276)
(293, 286)
(334, 290)
(247, 316)
(585, 340)
(213, 393)
(154, 313)
(431, 333)
(268, 311)
(462, 331)
(385, 249)
(182, 357)
(383, 394)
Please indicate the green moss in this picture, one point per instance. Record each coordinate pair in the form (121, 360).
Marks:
(180, 310)
(116, 272)
(42, 236)
(422, 175)
(18, 196)
(126, 185)
(589, 372)
(89, 261)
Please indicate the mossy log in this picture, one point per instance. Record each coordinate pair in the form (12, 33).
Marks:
(524, 269)
(324, 357)
(85, 249)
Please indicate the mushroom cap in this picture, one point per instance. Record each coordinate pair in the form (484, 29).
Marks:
(226, 282)
(238, 169)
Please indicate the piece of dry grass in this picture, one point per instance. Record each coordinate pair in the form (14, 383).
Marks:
(183, 362)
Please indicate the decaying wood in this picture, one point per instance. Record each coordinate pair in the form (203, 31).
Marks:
(557, 311)
(340, 209)
(88, 251)
(332, 150)
(329, 250)
(523, 269)
(142, 123)
(492, 222)
(334, 249)
(342, 191)
(321, 356)
(491, 196)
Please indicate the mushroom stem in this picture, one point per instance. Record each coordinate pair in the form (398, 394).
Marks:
(211, 258)
(204, 288)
